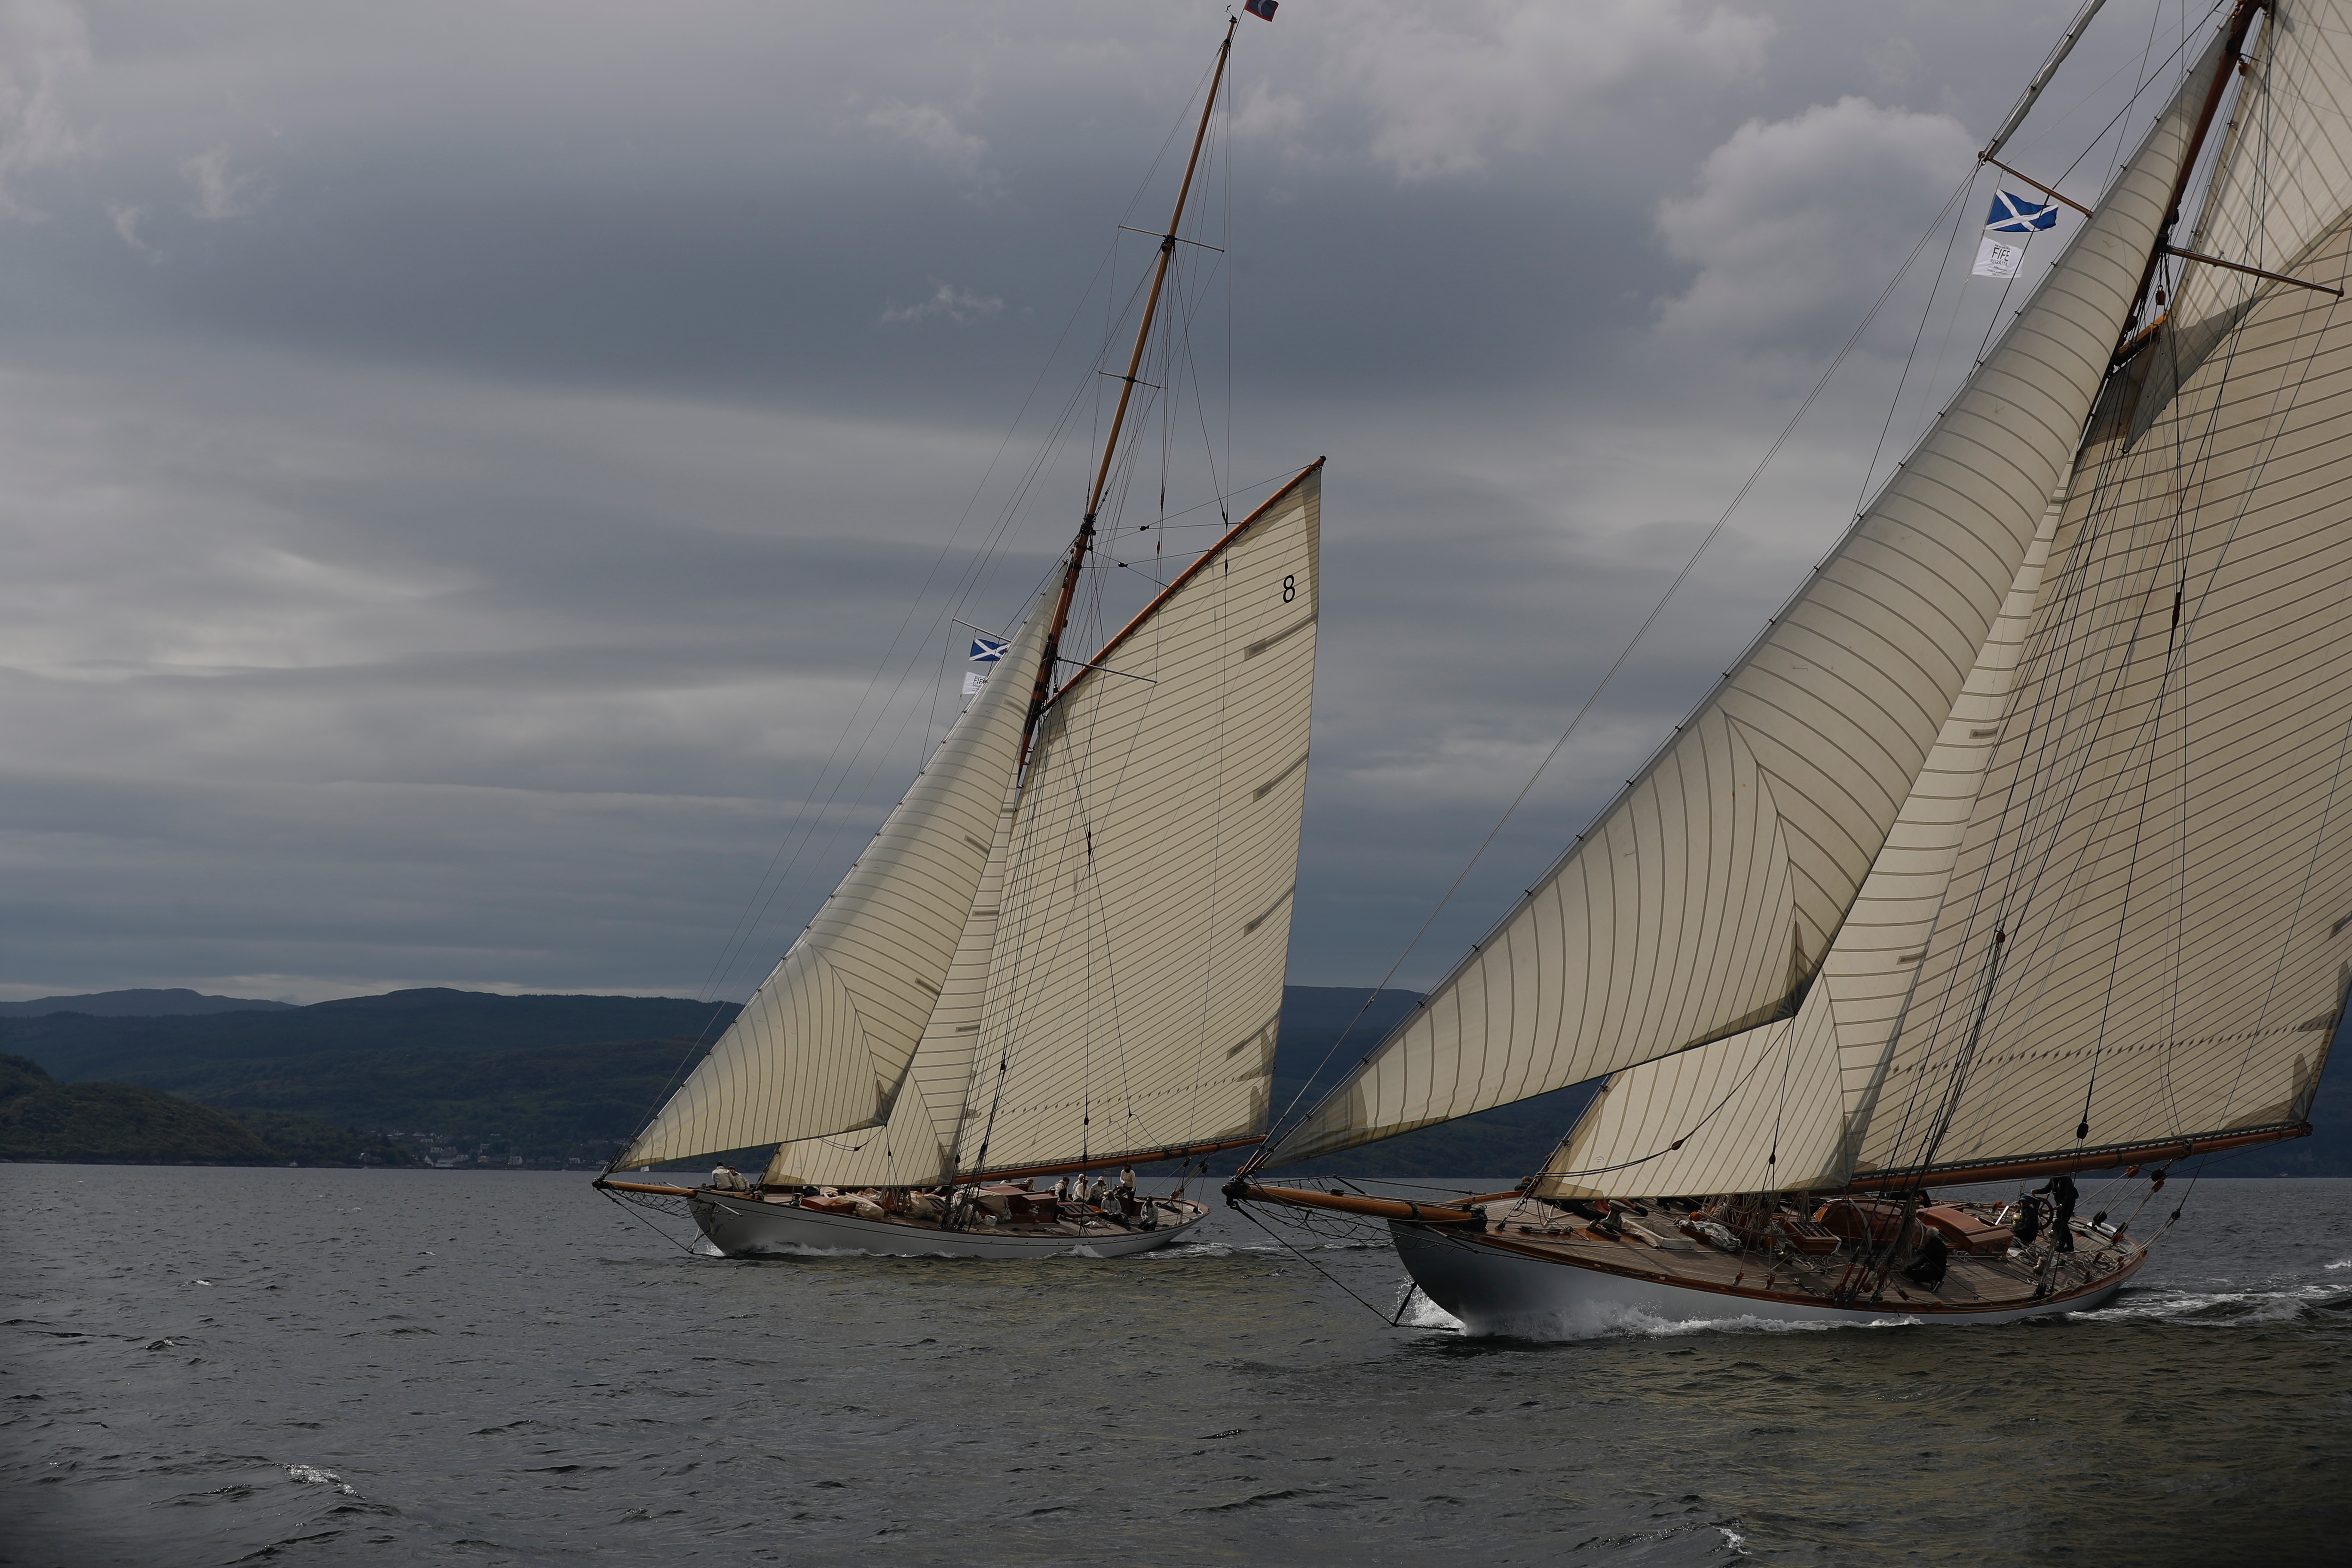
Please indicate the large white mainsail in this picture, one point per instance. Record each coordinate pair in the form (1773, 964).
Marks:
(827, 1041)
(1702, 902)
(1120, 982)
(2164, 845)
(1136, 985)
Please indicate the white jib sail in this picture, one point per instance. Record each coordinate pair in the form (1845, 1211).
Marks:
(1136, 983)
(916, 1146)
(825, 1044)
(1769, 1109)
(1707, 893)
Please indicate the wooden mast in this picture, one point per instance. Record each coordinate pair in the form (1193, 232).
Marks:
(2232, 54)
(1043, 692)
(1084, 539)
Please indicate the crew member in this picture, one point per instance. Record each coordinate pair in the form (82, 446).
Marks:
(2029, 1219)
(1934, 1258)
(2063, 1195)
(728, 1179)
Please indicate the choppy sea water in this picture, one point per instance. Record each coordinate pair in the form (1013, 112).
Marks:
(329, 1367)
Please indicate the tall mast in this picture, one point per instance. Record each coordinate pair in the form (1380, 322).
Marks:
(1084, 539)
(2233, 53)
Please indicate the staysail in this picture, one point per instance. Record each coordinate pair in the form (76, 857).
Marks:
(1136, 985)
(1702, 901)
(916, 1146)
(827, 1041)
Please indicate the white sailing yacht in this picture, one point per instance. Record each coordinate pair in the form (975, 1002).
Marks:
(1063, 950)
(2017, 846)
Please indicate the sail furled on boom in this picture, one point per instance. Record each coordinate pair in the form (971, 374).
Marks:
(1137, 983)
(825, 1044)
(1703, 900)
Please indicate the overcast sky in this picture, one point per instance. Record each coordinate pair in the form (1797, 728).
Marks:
(463, 464)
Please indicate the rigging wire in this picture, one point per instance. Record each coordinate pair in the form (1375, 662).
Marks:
(1300, 1254)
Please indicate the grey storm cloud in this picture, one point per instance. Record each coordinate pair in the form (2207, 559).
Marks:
(468, 462)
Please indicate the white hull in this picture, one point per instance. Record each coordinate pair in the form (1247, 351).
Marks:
(747, 1227)
(1495, 1291)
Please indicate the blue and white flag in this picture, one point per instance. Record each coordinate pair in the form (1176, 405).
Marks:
(987, 650)
(2013, 214)
(2012, 221)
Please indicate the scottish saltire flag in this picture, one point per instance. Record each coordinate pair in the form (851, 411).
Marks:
(2012, 221)
(1261, 8)
(2013, 214)
(987, 650)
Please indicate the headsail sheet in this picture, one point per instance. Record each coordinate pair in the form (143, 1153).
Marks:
(1136, 984)
(825, 1042)
(1703, 900)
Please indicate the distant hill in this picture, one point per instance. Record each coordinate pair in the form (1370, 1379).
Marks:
(177, 1003)
(547, 1080)
(544, 1078)
(121, 1123)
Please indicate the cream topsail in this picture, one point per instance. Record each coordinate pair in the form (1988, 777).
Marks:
(1703, 902)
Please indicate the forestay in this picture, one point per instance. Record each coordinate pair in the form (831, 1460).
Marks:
(827, 1041)
(1702, 902)
(1136, 985)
